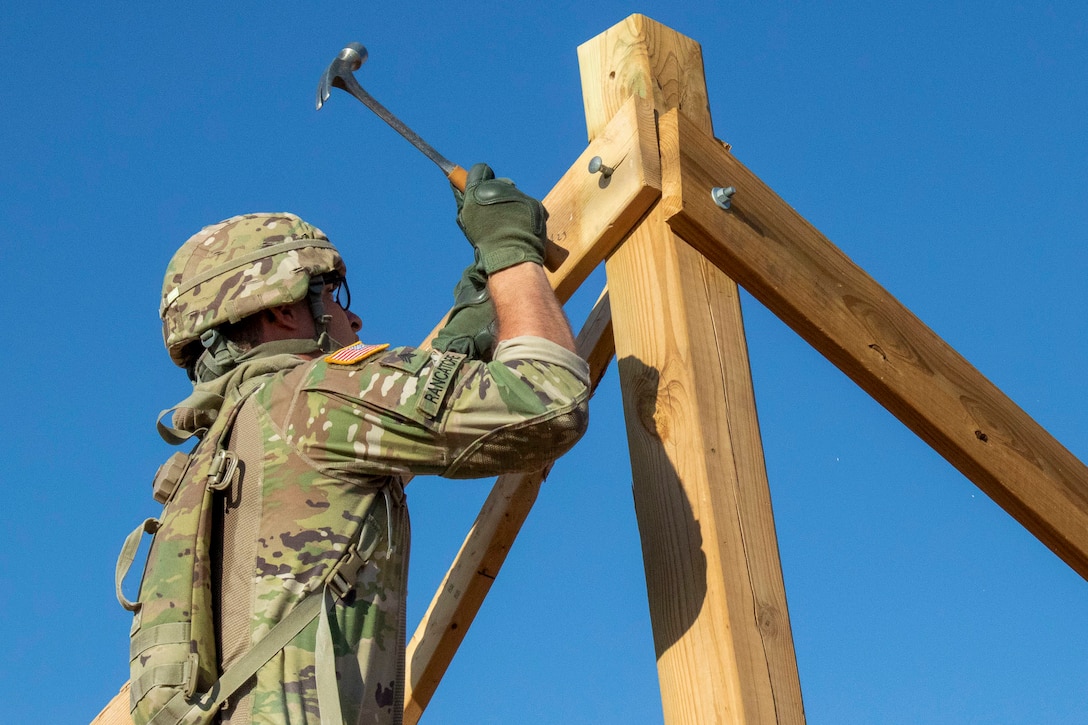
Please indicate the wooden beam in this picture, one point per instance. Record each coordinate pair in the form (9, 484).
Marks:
(842, 312)
(590, 214)
(717, 600)
(116, 710)
(474, 569)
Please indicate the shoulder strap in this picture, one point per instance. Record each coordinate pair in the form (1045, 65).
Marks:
(150, 526)
(340, 580)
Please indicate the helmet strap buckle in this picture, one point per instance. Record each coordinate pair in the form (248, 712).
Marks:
(321, 318)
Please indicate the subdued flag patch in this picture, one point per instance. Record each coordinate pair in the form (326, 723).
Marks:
(353, 353)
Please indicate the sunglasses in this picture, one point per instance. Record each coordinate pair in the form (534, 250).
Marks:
(341, 293)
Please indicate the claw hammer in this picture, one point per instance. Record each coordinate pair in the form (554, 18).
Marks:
(341, 74)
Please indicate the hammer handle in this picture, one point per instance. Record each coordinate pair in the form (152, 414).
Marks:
(553, 254)
(458, 177)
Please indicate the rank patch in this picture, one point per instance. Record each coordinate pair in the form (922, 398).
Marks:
(353, 353)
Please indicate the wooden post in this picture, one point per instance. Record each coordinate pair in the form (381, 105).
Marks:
(717, 600)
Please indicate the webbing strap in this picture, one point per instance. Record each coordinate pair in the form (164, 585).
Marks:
(328, 692)
(199, 399)
(170, 633)
(179, 711)
(339, 582)
(173, 674)
(173, 712)
(128, 555)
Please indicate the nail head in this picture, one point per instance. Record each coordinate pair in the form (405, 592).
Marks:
(596, 165)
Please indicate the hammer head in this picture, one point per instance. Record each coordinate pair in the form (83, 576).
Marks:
(349, 60)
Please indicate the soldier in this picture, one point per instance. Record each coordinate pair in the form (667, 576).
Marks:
(306, 436)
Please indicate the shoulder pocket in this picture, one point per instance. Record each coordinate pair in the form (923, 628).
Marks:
(387, 386)
(406, 359)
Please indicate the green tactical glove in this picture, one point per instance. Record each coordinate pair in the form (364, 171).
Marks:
(506, 226)
(472, 326)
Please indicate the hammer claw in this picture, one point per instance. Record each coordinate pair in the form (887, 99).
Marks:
(340, 74)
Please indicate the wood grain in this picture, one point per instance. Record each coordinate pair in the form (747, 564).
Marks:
(116, 710)
(643, 59)
(849, 318)
(588, 214)
(717, 600)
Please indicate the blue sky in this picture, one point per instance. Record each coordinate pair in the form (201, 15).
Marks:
(940, 145)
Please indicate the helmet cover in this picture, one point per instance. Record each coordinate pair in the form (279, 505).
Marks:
(233, 269)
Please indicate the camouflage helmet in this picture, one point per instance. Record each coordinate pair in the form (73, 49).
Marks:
(233, 269)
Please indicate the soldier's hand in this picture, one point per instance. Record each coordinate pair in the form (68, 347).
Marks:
(505, 225)
(472, 326)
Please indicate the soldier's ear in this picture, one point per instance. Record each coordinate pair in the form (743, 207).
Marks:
(285, 317)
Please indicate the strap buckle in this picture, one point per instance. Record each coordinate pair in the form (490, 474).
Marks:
(222, 471)
(341, 580)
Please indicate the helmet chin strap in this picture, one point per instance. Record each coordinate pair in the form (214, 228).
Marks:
(220, 356)
(315, 297)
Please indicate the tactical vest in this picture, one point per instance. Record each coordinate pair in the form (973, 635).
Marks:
(174, 672)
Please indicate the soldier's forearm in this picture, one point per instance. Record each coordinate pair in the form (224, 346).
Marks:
(526, 305)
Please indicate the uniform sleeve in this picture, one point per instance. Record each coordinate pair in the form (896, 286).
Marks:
(428, 412)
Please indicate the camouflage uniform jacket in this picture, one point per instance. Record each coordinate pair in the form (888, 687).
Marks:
(325, 449)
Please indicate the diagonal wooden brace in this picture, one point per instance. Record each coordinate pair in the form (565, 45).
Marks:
(790, 267)
(589, 215)
(469, 579)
